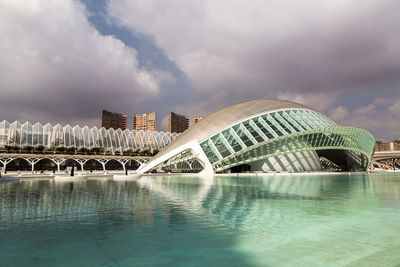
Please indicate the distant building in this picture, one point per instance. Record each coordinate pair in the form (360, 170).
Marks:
(391, 146)
(177, 123)
(113, 120)
(378, 146)
(196, 120)
(145, 122)
(396, 145)
(381, 146)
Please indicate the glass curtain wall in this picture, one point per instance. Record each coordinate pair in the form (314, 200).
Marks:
(223, 149)
(261, 128)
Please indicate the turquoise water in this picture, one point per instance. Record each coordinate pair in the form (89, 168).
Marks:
(188, 221)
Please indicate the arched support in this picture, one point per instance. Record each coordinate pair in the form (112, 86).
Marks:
(123, 163)
(141, 162)
(5, 161)
(58, 162)
(103, 162)
(33, 161)
(81, 162)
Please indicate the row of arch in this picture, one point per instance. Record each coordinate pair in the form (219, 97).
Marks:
(108, 140)
(81, 162)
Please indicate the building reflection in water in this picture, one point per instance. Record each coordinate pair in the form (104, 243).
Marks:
(230, 201)
(388, 189)
(235, 201)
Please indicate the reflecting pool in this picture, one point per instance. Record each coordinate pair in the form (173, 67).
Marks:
(280, 220)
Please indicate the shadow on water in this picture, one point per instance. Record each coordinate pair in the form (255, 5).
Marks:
(174, 220)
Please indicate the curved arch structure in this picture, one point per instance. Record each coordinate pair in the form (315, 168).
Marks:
(60, 159)
(266, 135)
(53, 136)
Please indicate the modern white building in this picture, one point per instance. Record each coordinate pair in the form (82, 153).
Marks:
(52, 137)
(265, 136)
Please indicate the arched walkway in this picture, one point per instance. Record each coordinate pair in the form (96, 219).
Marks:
(72, 162)
(15, 164)
(45, 164)
(113, 164)
(25, 162)
(132, 165)
(93, 164)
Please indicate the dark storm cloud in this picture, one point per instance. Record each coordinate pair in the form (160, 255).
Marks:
(56, 67)
(302, 45)
(314, 51)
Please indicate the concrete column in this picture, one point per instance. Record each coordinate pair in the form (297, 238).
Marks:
(123, 163)
(5, 161)
(103, 162)
(57, 161)
(33, 161)
(82, 162)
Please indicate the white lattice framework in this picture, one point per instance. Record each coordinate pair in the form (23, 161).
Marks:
(52, 136)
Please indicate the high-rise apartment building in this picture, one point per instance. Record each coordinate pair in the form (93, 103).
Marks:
(196, 120)
(381, 146)
(177, 123)
(396, 145)
(113, 120)
(145, 122)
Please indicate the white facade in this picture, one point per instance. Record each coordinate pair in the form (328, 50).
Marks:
(51, 137)
(265, 135)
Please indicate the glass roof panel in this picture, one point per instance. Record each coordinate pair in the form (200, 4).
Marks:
(273, 125)
(220, 146)
(253, 131)
(242, 135)
(233, 140)
(209, 151)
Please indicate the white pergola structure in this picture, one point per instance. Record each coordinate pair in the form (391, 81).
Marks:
(111, 141)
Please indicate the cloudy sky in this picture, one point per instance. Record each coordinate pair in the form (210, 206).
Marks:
(66, 60)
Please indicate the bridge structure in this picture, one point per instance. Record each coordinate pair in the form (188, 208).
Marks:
(385, 155)
(379, 157)
(80, 159)
(386, 159)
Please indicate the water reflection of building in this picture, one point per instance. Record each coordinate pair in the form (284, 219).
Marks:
(143, 208)
(388, 189)
(240, 201)
(223, 200)
(48, 200)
